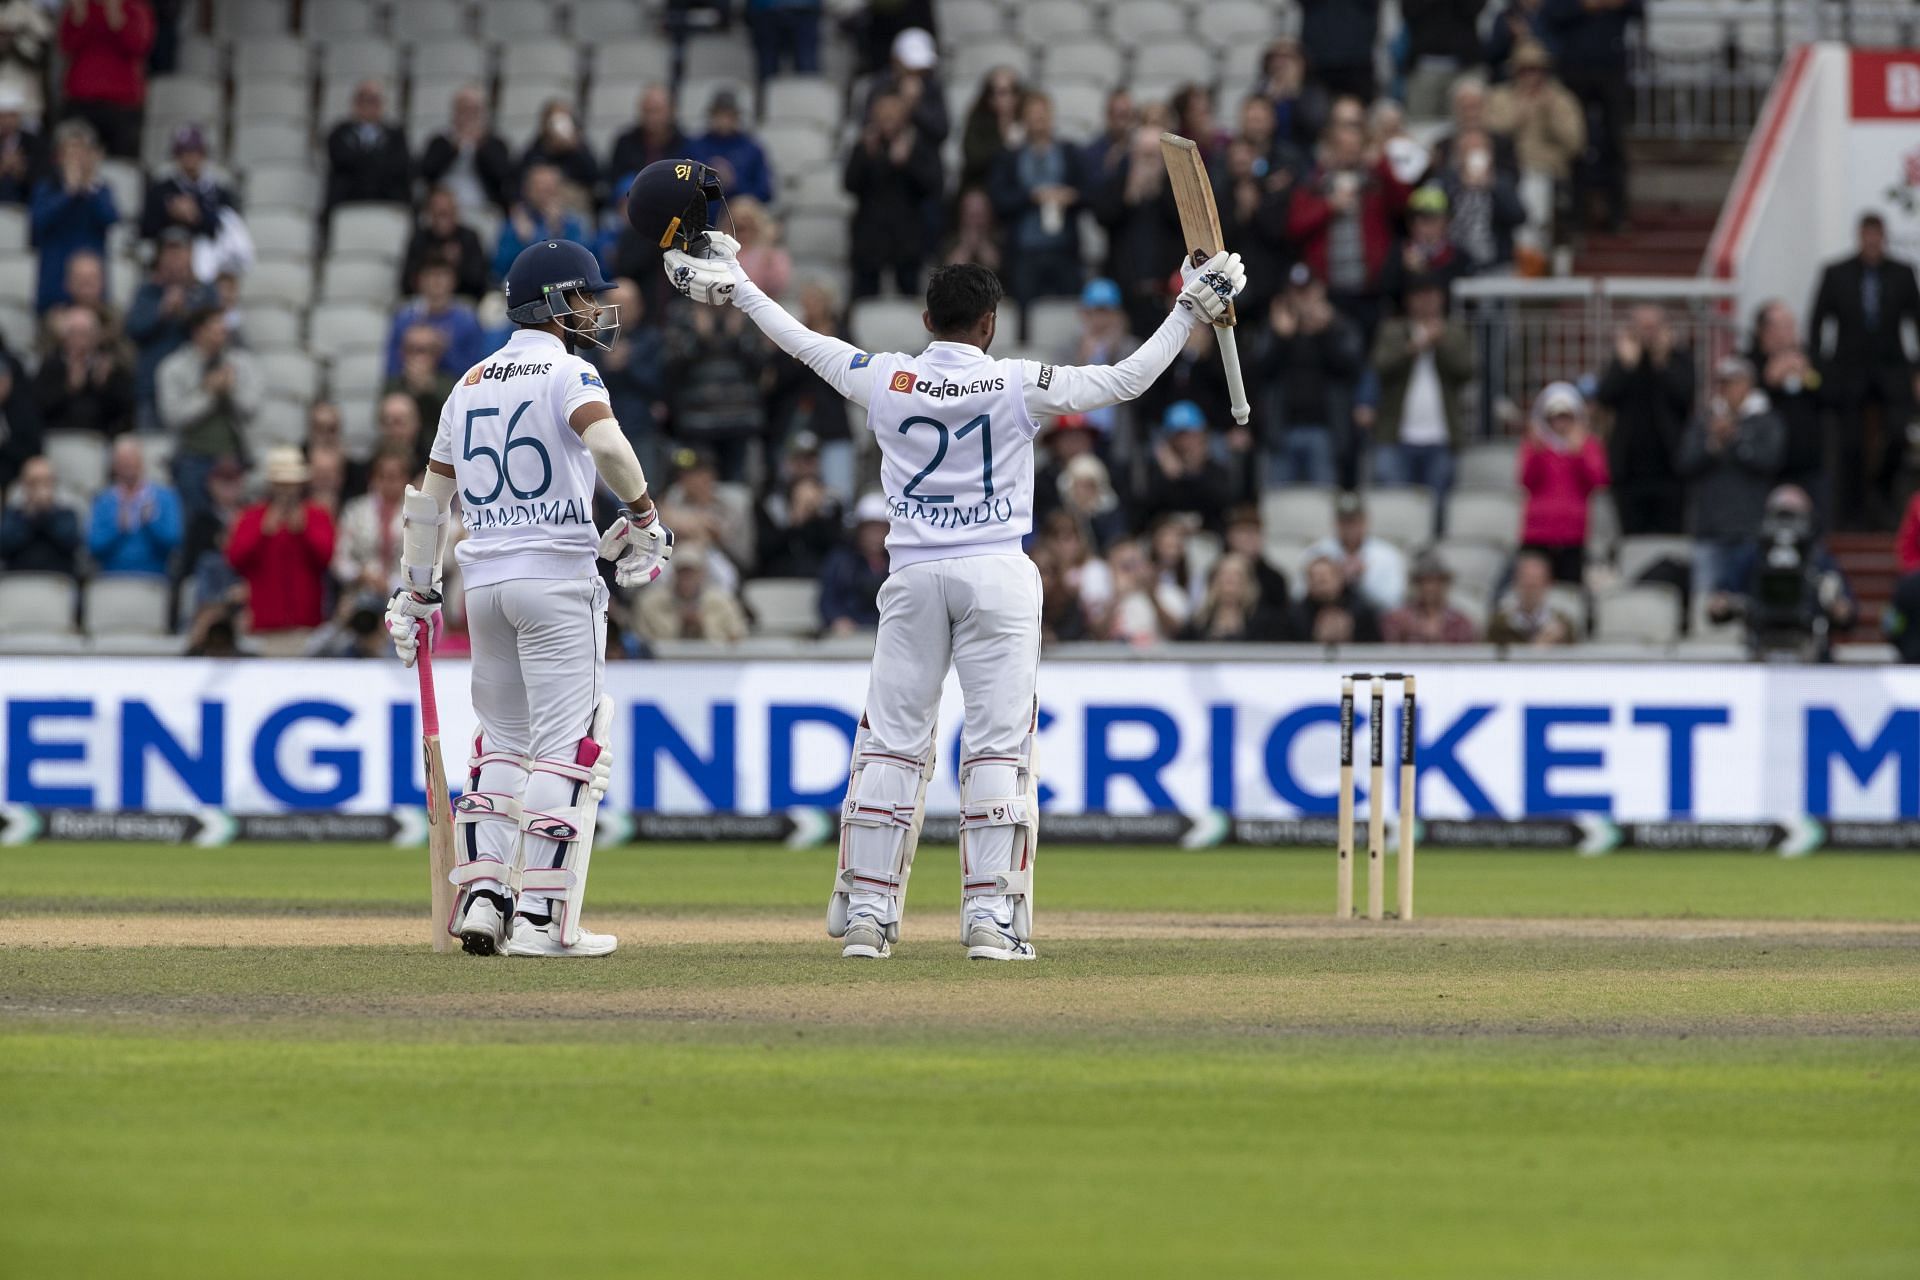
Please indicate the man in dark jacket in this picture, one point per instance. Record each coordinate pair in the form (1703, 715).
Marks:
(190, 196)
(891, 174)
(367, 157)
(1648, 387)
(1869, 299)
(655, 135)
(1730, 458)
(37, 533)
(1036, 189)
(469, 158)
(1793, 389)
(1589, 41)
(442, 238)
(1339, 36)
(1185, 479)
(1307, 363)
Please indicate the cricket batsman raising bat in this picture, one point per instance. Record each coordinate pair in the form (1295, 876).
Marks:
(955, 430)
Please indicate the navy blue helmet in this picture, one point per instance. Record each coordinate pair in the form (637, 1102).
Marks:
(669, 204)
(557, 280)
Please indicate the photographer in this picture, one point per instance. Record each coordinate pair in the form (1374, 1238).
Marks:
(1785, 584)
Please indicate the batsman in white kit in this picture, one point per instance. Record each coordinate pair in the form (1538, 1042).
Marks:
(955, 429)
(522, 439)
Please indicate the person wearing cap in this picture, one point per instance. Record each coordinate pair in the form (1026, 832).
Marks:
(105, 45)
(1427, 251)
(891, 173)
(855, 571)
(1547, 124)
(1427, 617)
(23, 155)
(1375, 567)
(913, 74)
(1309, 359)
(1105, 340)
(1730, 458)
(1424, 360)
(731, 152)
(367, 157)
(207, 394)
(282, 547)
(72, 209)
(189, 196)
(1561, 465)
(136, 523)
(1184, 477)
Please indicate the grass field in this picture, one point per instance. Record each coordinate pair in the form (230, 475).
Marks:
(245, 1062)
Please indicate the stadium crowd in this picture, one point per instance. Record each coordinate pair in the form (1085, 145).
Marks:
(1358, 202)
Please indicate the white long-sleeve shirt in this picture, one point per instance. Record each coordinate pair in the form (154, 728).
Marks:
(956, 426)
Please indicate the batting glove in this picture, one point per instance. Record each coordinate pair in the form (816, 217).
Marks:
(710, 279)
(1211, 287)
(409, 613)
(639, 547)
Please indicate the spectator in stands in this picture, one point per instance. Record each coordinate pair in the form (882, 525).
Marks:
(1104, 155)
(1244, 200)
(1259, 130)
(1900, 619)
(1104, 340)
(1300, 105)
(1785, 585)
(558, 142)
(800, 526)
(86, 288)
(714, 360)
(282, 547)
(1590, 39)
(785, 31)
(655, 134)
(891, 173)
(1792, 386)
(1036, 190)
(437, 308)
(993, 126)
(1561, 464)
(761, 254)
(366, 155)
(1548, 128)
(1343, 215)
(1134, 606)
(1135, 205)
(327, 480)
(913, 75)
(1427, 617)
(366, 553)
(1063, 617)
(136, 523)
(1427, 253)
(1520, 22)
(1332, 610)
(631, 368)
(1648, 386)
(976, 233)
(23, 158)
(541, 214)
(39, 533)
(1443, 40)
(1731, 459)
(801, 403)
(105, 43)
(1247, 536)
(1375, 567)
(189, 196)
(1527, 615)
(713, 514)
(690, 604)
(1060, 442)
(420, 380)
(1484, 208)
(1235, 609)
(208, 393)
(26, 41)
(1424, 361)
(85, 384)
(1307, 363)
(1339, 37)
(1184, 477)
(441, 237)
(468, 158)
(399, 427)
(204, 570)
(855, 571)
(1192, 107)
(1869, 298)
(19, 419)
(733, 153)
(157, 320)
(1085, 492)
(72, 209)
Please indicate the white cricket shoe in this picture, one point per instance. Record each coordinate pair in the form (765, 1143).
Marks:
(482, 930)
(530, 939)
(988, 939)
(866, 940)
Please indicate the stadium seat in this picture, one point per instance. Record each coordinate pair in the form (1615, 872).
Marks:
(1487, 465)
(359, 433)
(783, 606)
(357, 375)
(1288, 555)
(371, 230)
(288, 283)
(268, 142)
(283, 186)
(358, 280)
(447, 60)
(291, 374)
(19, 274)
(1237, 22)
(539, 58)
(972, 61)
(267, 57)
(510, 20)
(1173, 61)
(624, 65)
(176, 100)
(965, 21)
(1485, 516)
(126, 604)
(695, 93)
(1089, 60)
(1477, 567)
(1142, 24)
(419, 20)
(805, 100)
(1649, 611)
(14, 229)
(1642, 551)
(885, 324)
(720, 56)
(244, 18)
(36, 603)
(1053, 325)
(272, 97)
(17, 324)
(430, 104)
(817, 190)
(1046, 20)
(351, 60)
(280, 421)
(1603, 527)
(1297, 511)
(333, 329)
(79, 459)
(817, 237)
(1403, 516)
(1474, 606)
(1079, 109)
(521, 103)
(797, 145)
(282, 234)
(337, 18)
(274, 328)
(603, 22)
(159, 449)
(128, 184)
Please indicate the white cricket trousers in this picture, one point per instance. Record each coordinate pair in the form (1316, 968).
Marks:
(979, 615)
(539, 665)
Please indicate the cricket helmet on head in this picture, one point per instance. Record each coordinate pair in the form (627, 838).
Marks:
(557, 280)
(669, 204)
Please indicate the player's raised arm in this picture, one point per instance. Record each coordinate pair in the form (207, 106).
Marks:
(1055, 389)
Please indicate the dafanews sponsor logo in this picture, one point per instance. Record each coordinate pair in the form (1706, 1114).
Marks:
(904, 381)
(501, 372)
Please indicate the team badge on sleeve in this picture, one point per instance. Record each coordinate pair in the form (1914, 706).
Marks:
(861, 361)
(591, 380)
(1046, 376)
(902, 381)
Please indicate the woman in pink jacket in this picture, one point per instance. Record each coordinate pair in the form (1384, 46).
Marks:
(1561, 464)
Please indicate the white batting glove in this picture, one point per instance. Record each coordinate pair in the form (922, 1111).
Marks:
(409, 613)
(639, 547)
(711, 278)
(1211, 287)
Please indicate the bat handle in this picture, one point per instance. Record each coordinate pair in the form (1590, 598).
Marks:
(1236, 383)
(429, 704)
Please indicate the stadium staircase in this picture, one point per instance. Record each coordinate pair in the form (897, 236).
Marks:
(1677, 191)
(1868, 561)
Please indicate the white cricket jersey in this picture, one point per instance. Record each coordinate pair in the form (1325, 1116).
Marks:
(955, 426)
(525, 479)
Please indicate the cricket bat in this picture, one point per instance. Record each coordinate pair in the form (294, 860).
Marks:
(439, 803)
(1200, 226)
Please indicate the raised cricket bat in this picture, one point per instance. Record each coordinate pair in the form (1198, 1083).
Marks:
(439, 803)
(1200, 226)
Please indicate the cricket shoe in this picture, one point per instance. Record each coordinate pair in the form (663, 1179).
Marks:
(533, 938)
(988, 939)
(866, 939)
(483, 927)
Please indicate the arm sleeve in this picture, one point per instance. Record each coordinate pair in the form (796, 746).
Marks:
(615, 460)
(846, 368)
(1055, 389)
(103, 530)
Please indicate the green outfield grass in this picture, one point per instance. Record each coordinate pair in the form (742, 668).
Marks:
(1694, 1081)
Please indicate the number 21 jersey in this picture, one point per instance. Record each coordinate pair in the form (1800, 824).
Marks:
(956, 448)
(524, 477)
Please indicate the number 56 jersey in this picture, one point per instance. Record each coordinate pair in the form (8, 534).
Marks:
(956, 448)
(525, 479)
